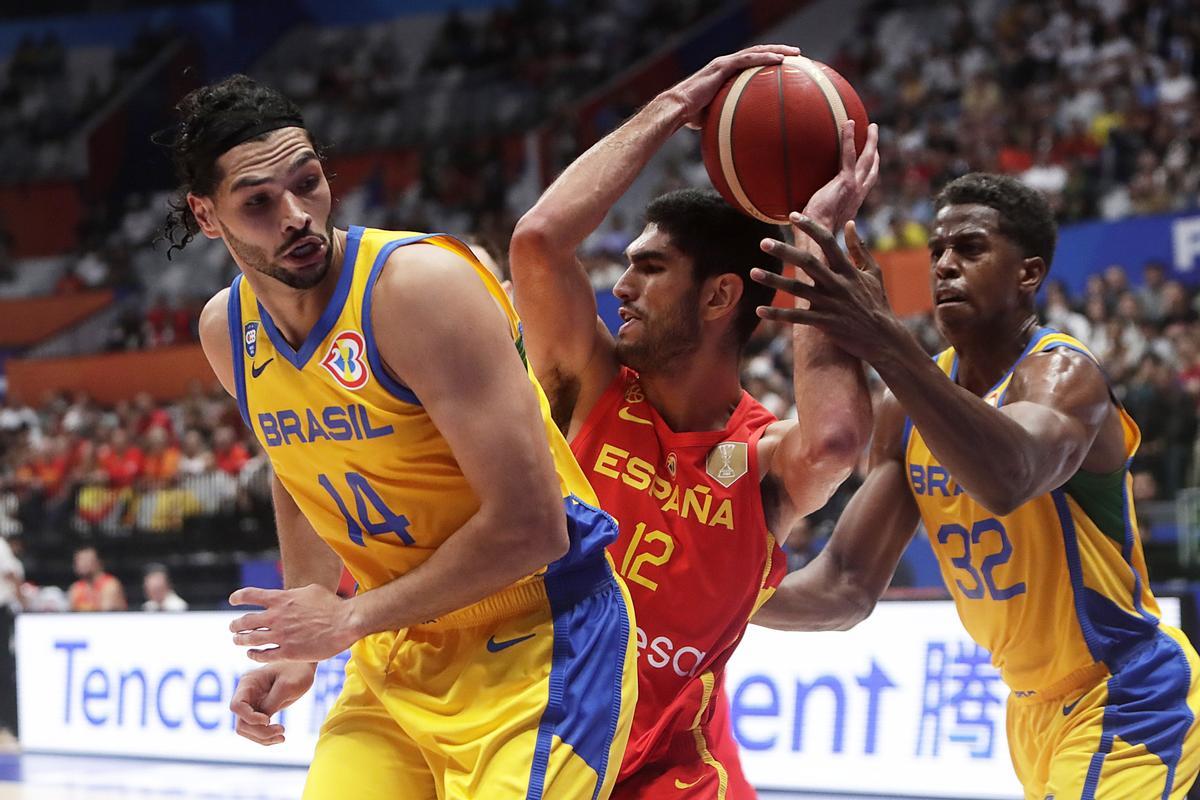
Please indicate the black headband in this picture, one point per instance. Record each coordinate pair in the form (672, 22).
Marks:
(252, 129)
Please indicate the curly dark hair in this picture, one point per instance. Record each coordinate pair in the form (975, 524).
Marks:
(1025, 216)
(719, 239)
(210, 121)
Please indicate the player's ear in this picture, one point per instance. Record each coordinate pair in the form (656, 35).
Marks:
(206, 218)
(721, 295)
(1033, 273)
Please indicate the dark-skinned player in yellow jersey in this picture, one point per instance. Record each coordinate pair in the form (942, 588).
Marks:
(1013, 451)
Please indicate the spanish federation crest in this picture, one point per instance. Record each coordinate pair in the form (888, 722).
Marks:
(251, 338)
(727, 462)
(346, 360)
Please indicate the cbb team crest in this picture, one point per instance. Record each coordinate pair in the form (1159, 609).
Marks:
(346, 360)
(251, 338)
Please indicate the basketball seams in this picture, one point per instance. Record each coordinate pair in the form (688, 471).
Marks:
(784, 141)
(837, 106)
(725, 144)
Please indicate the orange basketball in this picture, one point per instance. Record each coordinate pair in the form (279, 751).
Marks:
(770, 137)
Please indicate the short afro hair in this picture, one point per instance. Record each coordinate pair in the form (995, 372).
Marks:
(719, 239)
(1025, 216)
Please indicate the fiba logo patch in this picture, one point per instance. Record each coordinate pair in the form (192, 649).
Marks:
(634, 394)
(251, 338)
(346, 360)
(672, 464)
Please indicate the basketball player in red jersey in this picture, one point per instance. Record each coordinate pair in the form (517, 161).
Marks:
(703, 480)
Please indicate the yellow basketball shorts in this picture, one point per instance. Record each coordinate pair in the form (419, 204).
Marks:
(1134, 735)
(527, 695)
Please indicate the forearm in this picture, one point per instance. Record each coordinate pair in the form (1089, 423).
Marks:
(577, 201)
(481, 558)
(815, 599)
(958, 427)
(833, 404)
(305, 557)
(842, 584)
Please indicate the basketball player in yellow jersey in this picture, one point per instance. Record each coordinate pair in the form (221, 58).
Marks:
(1013, 451)
(384, 373)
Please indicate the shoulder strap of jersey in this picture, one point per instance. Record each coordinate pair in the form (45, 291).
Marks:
(378, 246)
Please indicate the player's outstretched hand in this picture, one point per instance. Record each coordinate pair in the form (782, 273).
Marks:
(306, 624)
(846, 298)
(838, 201)
(698, 90)
(263, 692)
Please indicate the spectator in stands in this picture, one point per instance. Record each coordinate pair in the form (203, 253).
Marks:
(161, 463)
(121, 460)
(1166, 415)
(1058, 313)
(43, 478)
(1150, 294)
(95, 589)
(229, 455)
(194, 457)
(150, 414)
(1176, 308)
(160, 593)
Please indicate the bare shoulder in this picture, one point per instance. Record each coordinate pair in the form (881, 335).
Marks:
(214, 338)
(1063, 378)
(214, 318)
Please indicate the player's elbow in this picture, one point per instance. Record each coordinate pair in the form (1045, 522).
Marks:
(855, 604)
(533, 241)
(838, 446)
(537, 533)
(1004, 494)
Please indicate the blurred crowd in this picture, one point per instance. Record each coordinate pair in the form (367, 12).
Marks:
(1093, 102)
(48, 92)
(141, 465)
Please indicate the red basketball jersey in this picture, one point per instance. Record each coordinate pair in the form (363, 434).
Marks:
(694, 550)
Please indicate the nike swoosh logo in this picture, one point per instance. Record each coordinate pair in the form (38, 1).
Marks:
(681, 785)
(626, 415)
(495, 647)
(256, 369)
(1068, 709)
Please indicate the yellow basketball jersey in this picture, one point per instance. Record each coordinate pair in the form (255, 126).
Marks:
(353, 446)
(1057, 586)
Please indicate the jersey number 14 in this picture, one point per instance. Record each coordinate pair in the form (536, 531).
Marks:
(364, 495)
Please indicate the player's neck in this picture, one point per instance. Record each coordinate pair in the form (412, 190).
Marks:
(990, 351)
(296, 311)
(699, 394)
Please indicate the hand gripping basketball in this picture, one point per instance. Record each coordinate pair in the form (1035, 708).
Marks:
(696, 92)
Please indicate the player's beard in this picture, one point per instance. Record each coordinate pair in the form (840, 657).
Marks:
(256, 259)
(664, 340)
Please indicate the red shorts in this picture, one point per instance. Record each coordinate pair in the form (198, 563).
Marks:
(695, 778)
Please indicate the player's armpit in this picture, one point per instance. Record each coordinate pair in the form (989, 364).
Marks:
(571, 350)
